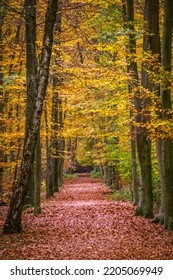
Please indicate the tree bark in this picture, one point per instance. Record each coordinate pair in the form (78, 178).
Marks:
(128, 12)
(49, 173)
(13, 219)
(57, 121)
(167, 156)
(31, 80)
(61, 144)
(160, 217)
(2, 12)
(150, 44)
(37, 177)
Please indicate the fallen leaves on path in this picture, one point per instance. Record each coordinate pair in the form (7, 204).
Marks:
(81, 222)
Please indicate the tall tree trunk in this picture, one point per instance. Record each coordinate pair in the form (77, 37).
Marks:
(150, 43)
(2, 12)
(37, 178)
(55, 101)
(167, 115)
(128, 13)
(32, 84)
(55, 139)
(31, 79)
(144, 143)
(13, 219)
(49, 173)
(61, 144)
(156, 50)
(160, 217)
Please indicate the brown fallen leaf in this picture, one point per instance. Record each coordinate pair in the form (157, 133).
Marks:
(81, 222)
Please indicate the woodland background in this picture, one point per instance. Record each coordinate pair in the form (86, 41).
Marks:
(107, 97)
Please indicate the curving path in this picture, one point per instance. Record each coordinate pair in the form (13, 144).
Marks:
(81, 222)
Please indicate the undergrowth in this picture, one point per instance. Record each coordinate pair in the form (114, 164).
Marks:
(95, 174)
(70, 175)
(122, 194)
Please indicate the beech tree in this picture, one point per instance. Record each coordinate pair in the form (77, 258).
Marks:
(13, 219)
(132, 68)
(150, 44)
(2, 11)
(31, 78)
(167, 152)
(56, 141)
(32, 197)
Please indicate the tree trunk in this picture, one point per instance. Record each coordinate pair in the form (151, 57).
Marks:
(31, 80)
(56, 102)
(61, 144)
(160, 217)
(49, 171)
(2, 11)
(57, 141)
(167, 107)
(151, 44)
(128, 13)
(55, 130)
(144, 143)
(135, 180)
(55, 127)
(60, 162)
(37, 178)
(156, 49)
(13, 219)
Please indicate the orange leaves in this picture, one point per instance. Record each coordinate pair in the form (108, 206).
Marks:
(80, 222)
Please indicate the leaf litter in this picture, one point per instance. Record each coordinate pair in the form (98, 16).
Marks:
(81, 222)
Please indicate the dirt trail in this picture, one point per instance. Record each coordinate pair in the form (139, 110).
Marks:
(81, 222)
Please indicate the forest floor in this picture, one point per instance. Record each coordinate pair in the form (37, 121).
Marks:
(82, 222)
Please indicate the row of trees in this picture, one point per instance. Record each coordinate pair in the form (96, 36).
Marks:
(103, 99)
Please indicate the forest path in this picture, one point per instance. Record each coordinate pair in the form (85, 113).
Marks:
(81, 222)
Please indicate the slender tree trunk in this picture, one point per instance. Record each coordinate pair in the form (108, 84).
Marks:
(135, 180)
(55, 128)
(32, 85)
(128, 13)
(144, 143)
(61, 145)
(13, 219)
(56, 99)
(160, 217)
(167, 156)
(37, 179)
(54, 134)
(2, 11)
(31, 80)
(156, 50)
(49, 171)
(58, 142)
